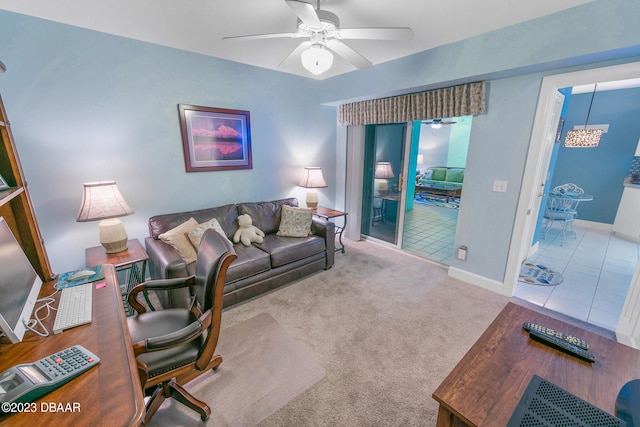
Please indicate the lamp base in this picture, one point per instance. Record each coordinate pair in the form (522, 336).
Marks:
(312, 199)
(113, 235)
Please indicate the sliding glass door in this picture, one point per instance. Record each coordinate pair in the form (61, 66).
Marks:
(383, 184)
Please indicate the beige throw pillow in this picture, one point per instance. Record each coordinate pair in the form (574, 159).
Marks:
(195, 234)
(177, 238)
(295, 222)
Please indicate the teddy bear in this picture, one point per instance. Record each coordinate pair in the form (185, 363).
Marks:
(247, 232)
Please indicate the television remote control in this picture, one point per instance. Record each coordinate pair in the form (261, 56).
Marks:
(27, 382)
(562, 345)
(568, 338)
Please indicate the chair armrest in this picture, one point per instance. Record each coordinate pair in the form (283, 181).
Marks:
(176, 338)
(157, 285)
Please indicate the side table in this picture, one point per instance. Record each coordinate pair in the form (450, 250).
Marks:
(327, 214)
(133, 262)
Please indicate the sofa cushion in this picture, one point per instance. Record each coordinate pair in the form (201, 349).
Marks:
(195, 234)
(177, 238)
(455, 175)
(226, 216)
(266, 215)
(250, 261)
(439, 174)
(295, 222)
(284, 250)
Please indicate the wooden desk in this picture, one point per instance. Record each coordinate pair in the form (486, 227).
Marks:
(485, 387)
(108, 394)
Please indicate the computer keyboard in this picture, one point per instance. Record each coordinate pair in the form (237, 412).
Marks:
(74, 308)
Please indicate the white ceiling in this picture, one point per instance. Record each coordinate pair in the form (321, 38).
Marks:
(199, 25)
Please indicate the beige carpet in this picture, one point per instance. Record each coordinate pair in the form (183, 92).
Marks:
(386, 327)
(263, 368)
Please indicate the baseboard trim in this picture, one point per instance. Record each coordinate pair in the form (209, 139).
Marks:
(594, 225)
(483, 282)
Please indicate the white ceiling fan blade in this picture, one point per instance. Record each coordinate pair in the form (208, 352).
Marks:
(264, 36)
(349, 54)
(396, 33)
(294, 55)
(305, 12)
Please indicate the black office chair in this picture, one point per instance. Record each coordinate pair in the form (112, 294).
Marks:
(174, 345)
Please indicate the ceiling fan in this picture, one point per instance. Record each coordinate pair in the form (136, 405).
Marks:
(437, 123)
(322, 28)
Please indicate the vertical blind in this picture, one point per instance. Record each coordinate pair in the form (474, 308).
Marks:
(454, 101)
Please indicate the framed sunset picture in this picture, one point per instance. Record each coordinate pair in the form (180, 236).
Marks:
(215, 139)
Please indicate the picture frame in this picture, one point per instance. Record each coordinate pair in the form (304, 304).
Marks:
(3, 184)
(215, 139)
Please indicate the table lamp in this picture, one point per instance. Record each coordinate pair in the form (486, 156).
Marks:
(382, 174)
(312, 178)
(103, 201)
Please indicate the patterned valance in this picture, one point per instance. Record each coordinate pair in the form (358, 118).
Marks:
(455, 101)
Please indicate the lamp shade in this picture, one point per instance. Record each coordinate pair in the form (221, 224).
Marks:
(312, 178)
(317, 59)
(103, 201)
(383, 170)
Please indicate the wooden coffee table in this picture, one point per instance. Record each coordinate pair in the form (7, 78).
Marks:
(489, 381)
(448, 191)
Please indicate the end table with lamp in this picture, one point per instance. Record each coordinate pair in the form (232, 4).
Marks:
(103, 201)
(132, 261)
(312, 178)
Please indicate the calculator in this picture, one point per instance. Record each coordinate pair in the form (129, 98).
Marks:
(27, 382)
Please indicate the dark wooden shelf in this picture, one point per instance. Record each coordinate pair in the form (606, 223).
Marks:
(15, 202)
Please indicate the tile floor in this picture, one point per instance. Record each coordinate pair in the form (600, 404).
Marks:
(429, 232)
(597, 266)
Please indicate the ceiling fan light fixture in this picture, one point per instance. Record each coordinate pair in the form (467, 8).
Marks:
(317, 59)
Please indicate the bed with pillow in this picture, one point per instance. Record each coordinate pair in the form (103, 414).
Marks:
(295, 244)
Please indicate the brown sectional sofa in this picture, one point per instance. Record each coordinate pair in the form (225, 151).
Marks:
(260, 267)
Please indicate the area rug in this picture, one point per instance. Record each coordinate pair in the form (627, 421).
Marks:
(436, 201)
(263, 369)
(538, 274)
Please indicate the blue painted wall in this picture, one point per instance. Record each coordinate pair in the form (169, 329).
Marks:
(87, 106)
(601, 170)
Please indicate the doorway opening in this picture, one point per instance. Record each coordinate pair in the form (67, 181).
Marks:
(524, 224)
(439, 153)
(596, 266)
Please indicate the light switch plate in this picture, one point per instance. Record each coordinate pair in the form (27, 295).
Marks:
(500, 186)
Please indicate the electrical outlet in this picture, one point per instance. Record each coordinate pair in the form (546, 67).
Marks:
(462, 253)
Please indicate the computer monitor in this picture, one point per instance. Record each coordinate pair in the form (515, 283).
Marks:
(19, 286)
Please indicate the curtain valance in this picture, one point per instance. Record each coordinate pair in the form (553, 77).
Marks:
(455, 101)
